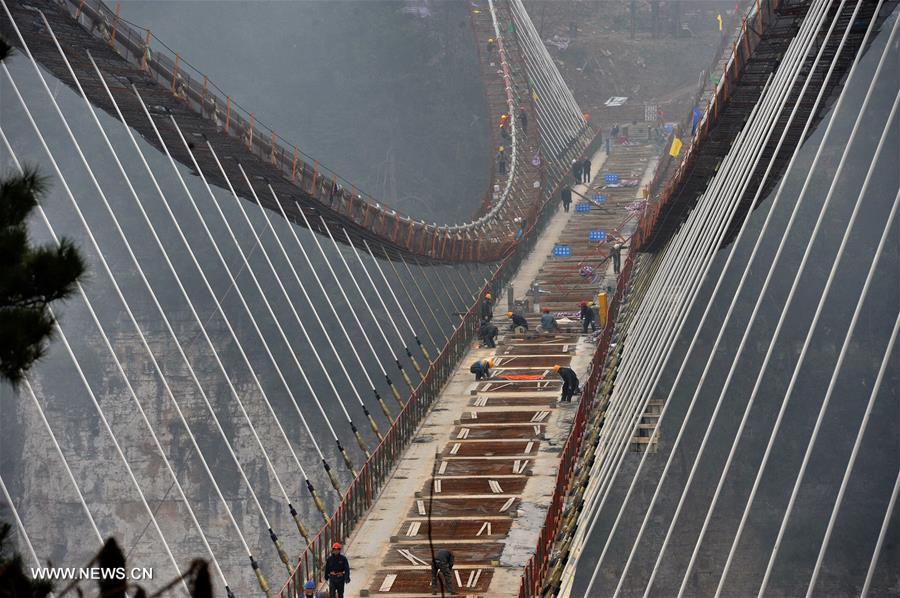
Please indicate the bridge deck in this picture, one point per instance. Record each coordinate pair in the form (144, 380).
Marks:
(492, 447)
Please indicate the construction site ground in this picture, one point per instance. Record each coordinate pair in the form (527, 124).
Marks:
(492, 447)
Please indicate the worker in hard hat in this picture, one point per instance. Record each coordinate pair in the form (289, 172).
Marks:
(518, 321)
(548, 322)
(482, 369)
(523, 120)
(487, 307)
(442, 563)
(491, 46)
(337, 571)
(587, 318)
(488, 334)
(570, 382)
(501, 160)
(309, 588)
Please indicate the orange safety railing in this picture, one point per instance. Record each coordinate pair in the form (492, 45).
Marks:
(742, 47)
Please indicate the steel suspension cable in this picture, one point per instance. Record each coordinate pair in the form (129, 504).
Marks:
(262, 294)
(454, 323)
(843, 352)
(835, 110)
(315, 312)
(359, 290)
(399, 309)
(131, 391)
(352, 311)
(173, 271)
(863, 426)
(410, 299)
(21, 526)
(122, 235)
(735, 296)
(220, 310)
(118, 290)
(387, 312)
(881, 535)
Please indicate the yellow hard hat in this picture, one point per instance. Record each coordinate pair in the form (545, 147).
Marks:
(487, 296)
(489, 362)
(509, 314)
(490, 39)
(556, 368)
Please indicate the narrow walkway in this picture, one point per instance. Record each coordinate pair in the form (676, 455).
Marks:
(493, 447)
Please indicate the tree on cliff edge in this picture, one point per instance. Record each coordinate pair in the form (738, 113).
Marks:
(31, 278)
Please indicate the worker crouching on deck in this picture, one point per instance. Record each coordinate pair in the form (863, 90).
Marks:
(482, 369)
(518, 322)
(442, 563)
(587, 318)
(570, 383)
(548, 322)
(337, 571)
(488, 334)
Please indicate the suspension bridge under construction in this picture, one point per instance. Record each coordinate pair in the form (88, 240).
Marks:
(266, 360)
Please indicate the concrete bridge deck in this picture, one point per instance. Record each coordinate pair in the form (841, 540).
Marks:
(492, 447)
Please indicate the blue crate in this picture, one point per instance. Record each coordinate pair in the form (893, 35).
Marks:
(582, 208)
(598, 198)
(611, 179)
(562, 251)
(597, 236)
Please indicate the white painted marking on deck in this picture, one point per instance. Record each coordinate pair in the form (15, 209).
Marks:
(477, 577)
(421, 505)
(539, 416)
(459, 582)
(437, 486)
(387, 583)
(471, 578)
(495, 487)
(516, 466)
(442, 468)
(529, 446)
(455, 448)
(537, 430)
(463, 434)
(413, 529)
(487, 386)
(507, 504)
(485, 529)
(473, 414)
(481, 402)
(521, 468)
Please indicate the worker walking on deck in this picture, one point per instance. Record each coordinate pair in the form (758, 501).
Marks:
(517, 321)
(523, 120)
(566, 196)
(548, 322)
(442, 563)
(501, 160)
(487, 307)
(488, 334)
(587, 318)
(337, 572)
(586, 171)
(482, 369)
(570, 383)
(576, 171)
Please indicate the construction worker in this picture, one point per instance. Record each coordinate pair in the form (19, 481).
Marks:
(576, 171)
(586, 171)
(443, 563)
(517, 321)
(488, 334)
(566, 196)
(309, 588)
(482, 368)
(491, 45)
(587, 318)
(523, 120)
(337, 571)
(548, 322)
(501, 160)
(570, 383)
(487, 307)
(616, 254)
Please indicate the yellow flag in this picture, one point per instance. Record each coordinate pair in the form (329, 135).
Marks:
(676, 147)
(534, 96)
(719, 19)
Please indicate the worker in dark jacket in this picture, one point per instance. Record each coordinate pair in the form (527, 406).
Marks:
(523, 119)
(566, 196)
(482, 368)
(586, 171)
(488, 334)
(443, 563)
(337, 572)
(517, 321)
(487, 307)
(570, 383)
(587, 318)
